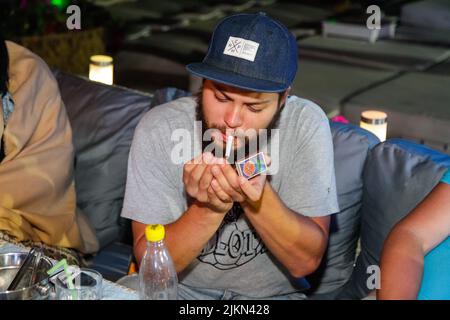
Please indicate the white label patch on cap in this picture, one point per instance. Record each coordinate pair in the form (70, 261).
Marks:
(241, 48)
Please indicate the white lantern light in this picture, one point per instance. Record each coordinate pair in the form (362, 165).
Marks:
(101, 69)
(375, 122)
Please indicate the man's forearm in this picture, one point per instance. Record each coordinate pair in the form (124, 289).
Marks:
(186, 237)
(295, 240)
(401, 266)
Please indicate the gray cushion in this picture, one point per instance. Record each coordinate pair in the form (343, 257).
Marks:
(397, 176)
(164, 95)
(351, 145)
(103, 120)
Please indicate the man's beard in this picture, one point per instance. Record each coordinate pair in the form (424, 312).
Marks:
(245, 148)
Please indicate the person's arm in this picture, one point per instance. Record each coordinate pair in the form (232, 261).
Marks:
(187, 236)
(297, 241)
(301, 257)
(409, 241)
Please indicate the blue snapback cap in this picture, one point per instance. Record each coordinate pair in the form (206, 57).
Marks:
(252, 52)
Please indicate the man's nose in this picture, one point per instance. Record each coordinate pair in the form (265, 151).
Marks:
(233, 117)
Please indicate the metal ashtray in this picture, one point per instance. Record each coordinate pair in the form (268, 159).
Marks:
(9, 266)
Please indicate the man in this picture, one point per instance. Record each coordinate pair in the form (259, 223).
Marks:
(37, 195)
(230, 237)
(415, 262)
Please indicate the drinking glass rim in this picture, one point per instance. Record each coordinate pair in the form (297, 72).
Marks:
(94, 273)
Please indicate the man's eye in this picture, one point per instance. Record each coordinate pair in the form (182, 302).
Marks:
(252, 109)
(222, 99)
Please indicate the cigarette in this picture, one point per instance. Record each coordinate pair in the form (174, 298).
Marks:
(229, 145)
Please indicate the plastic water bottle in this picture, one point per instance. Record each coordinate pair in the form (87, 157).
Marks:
(157, 275)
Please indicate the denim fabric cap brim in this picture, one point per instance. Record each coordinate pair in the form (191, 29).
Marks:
(215, 74)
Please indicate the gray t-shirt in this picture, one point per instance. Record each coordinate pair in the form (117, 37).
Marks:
(235, 258)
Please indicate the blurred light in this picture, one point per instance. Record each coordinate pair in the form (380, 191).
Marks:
(61, 4)
(375, 122)
(101, 69)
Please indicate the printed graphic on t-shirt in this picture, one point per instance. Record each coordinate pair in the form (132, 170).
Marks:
(232, 246)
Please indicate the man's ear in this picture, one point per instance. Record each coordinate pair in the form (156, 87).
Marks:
(283, 98)
(286, 93)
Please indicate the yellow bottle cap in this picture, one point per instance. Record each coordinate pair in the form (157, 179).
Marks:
(154, 232)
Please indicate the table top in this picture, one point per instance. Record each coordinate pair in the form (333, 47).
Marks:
(111, 290)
